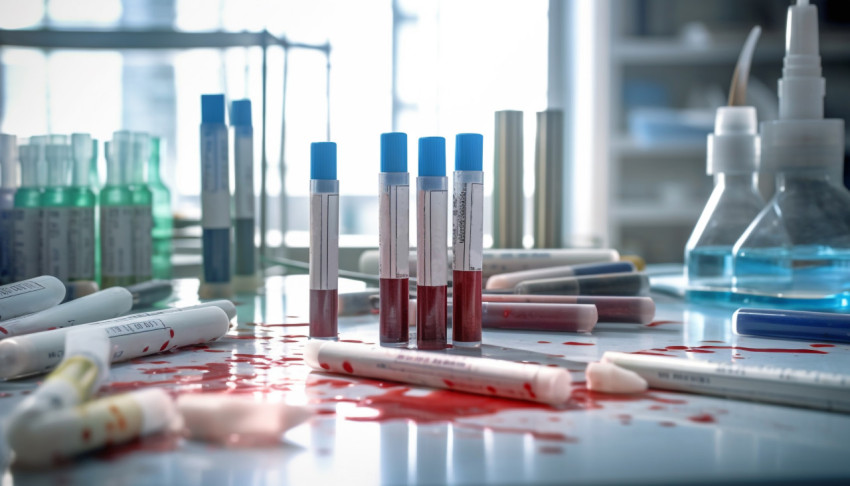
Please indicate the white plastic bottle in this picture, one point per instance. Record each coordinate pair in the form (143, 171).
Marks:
(796, 253)
(733, 156)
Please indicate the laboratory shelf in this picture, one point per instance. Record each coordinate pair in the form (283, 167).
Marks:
(372, 432)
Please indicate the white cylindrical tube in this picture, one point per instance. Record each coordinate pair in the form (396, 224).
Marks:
(503, 261)
(98, 306)
(130, 338)
(324, 240)
(813, 389)
(484, 376)
(60, 435)
(28, 296)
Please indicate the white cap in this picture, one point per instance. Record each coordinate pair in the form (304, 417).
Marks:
(801, 138)
(734, 146)
(8, 160)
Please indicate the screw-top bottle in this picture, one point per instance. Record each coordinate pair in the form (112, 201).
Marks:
(137, 182)
(163, 221)
(8, 186)
(83, 202)
(27, 216)
(56, 216)
(796, 253)
(116, 217)
(732, 158)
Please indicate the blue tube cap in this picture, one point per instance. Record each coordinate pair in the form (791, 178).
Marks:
(323, 160)
(432, 156)
(394, 152)
(240, 113)
(468, 150)
(212, 108)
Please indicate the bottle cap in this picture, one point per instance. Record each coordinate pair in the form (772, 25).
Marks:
(323, 160)
(240, 113)
(394, 152)
(733, 148)
(432, 156)
(212, 108)
(82, 147)
(468, 151)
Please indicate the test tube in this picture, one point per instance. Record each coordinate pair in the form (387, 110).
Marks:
(324, 240)
(26, 260)
(8, 187)
(467, 239)
(548, 180)
(612, 284)
(137, 182)
(507, 193)
(83, 200)
(215, 198)
(243, 166)
(394, 239)
(636, 310)
(432, 258)
(116, 219)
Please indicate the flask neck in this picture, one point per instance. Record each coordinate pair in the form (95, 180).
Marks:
(736, 182)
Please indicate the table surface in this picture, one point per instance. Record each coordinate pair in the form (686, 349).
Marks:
(368, 432)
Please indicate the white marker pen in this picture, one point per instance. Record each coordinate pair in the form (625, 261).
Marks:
(60, 435)
(98, 306)
(787, 386)
(215, 198)
(130, 338)
(467, 239)
(394, 240)
(28, 296)
(484, 376)
(432, 188)
(324, 240)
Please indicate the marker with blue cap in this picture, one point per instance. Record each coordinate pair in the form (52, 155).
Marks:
(467, 239)
(244, 218)
(215, 198)
(432, 188)
(324, 241)
(394, 240)
(788, 324)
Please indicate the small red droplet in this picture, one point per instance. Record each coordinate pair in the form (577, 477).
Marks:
(506, 313)
(527, 387)
(164, 345)
(172, 332)
(3, 330)
(491, 390)
(146, 349)
(347, 367)
(325, 366)
(449, 383)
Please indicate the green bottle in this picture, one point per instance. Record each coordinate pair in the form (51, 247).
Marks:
(116, 218)
(56, 213)
(94, 185)
(163, 221)
(27, 216)
(137, 182)
(83, 201)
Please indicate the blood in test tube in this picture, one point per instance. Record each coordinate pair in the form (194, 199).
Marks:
(432, 251)
(467, 239)
(394, 240)
(324, 240)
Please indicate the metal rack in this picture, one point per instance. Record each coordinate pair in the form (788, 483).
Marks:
(172, 39)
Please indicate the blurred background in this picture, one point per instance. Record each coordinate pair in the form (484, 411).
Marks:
(638, 81)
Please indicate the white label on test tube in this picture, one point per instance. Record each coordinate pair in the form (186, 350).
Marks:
(28, 296)
(215, 190)
(243, 150)
(98, 306)
(432, 198)
(27, 260)
(468, 220)
(130, 338)
(394, 225)
(81, 243)
(462, 373)
(56, 258)
(116, 241)
(324, 234)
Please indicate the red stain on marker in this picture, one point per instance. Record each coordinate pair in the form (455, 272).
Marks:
(822, 345)
(576, 343)
(172, 332)
(702, 418)
(660, 323)
(527, 387)
(449, 383)
(325, 366)
(146, 349)
(491, 389)
(347, 367)
(164, 345)
(3, 330)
